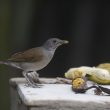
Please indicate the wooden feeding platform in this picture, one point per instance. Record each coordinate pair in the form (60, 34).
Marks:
(53, 97)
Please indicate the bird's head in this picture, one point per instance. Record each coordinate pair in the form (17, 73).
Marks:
(53, 43)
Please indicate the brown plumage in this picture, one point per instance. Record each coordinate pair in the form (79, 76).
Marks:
(31, 55)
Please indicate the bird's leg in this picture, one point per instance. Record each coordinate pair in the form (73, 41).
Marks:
(29, 79)
(24, 74)
(35, 76)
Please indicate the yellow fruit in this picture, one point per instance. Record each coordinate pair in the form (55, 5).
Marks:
(98, 75)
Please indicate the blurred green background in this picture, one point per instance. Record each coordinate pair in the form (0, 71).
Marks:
(28, 23)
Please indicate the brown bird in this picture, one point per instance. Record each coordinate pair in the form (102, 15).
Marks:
(32, 60)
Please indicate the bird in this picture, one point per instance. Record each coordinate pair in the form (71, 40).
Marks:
(34, 59)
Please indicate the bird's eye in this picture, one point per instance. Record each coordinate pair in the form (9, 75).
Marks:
(54, 41)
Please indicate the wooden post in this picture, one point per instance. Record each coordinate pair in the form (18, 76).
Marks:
(53, 97)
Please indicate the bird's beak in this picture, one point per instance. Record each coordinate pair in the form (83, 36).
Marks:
(65, 41)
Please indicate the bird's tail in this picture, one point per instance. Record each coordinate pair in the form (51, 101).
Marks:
(13, 64)
(3, 62)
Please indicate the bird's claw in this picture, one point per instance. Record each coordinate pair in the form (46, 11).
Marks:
(35, 85)
(31, 81)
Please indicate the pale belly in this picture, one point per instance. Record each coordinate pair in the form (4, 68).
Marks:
(35, 66)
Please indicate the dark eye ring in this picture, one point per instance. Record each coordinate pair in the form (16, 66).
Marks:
(54, 41)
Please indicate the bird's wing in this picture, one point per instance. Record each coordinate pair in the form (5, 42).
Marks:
(31, 55)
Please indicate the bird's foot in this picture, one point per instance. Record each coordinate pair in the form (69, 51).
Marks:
(35, 85)
(35, 76)
(30, 81)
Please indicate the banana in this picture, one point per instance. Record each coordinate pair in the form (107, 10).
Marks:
(99, 80)
(104, 66)
(98, 75)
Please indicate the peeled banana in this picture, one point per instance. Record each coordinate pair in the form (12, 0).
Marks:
(98, 75)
